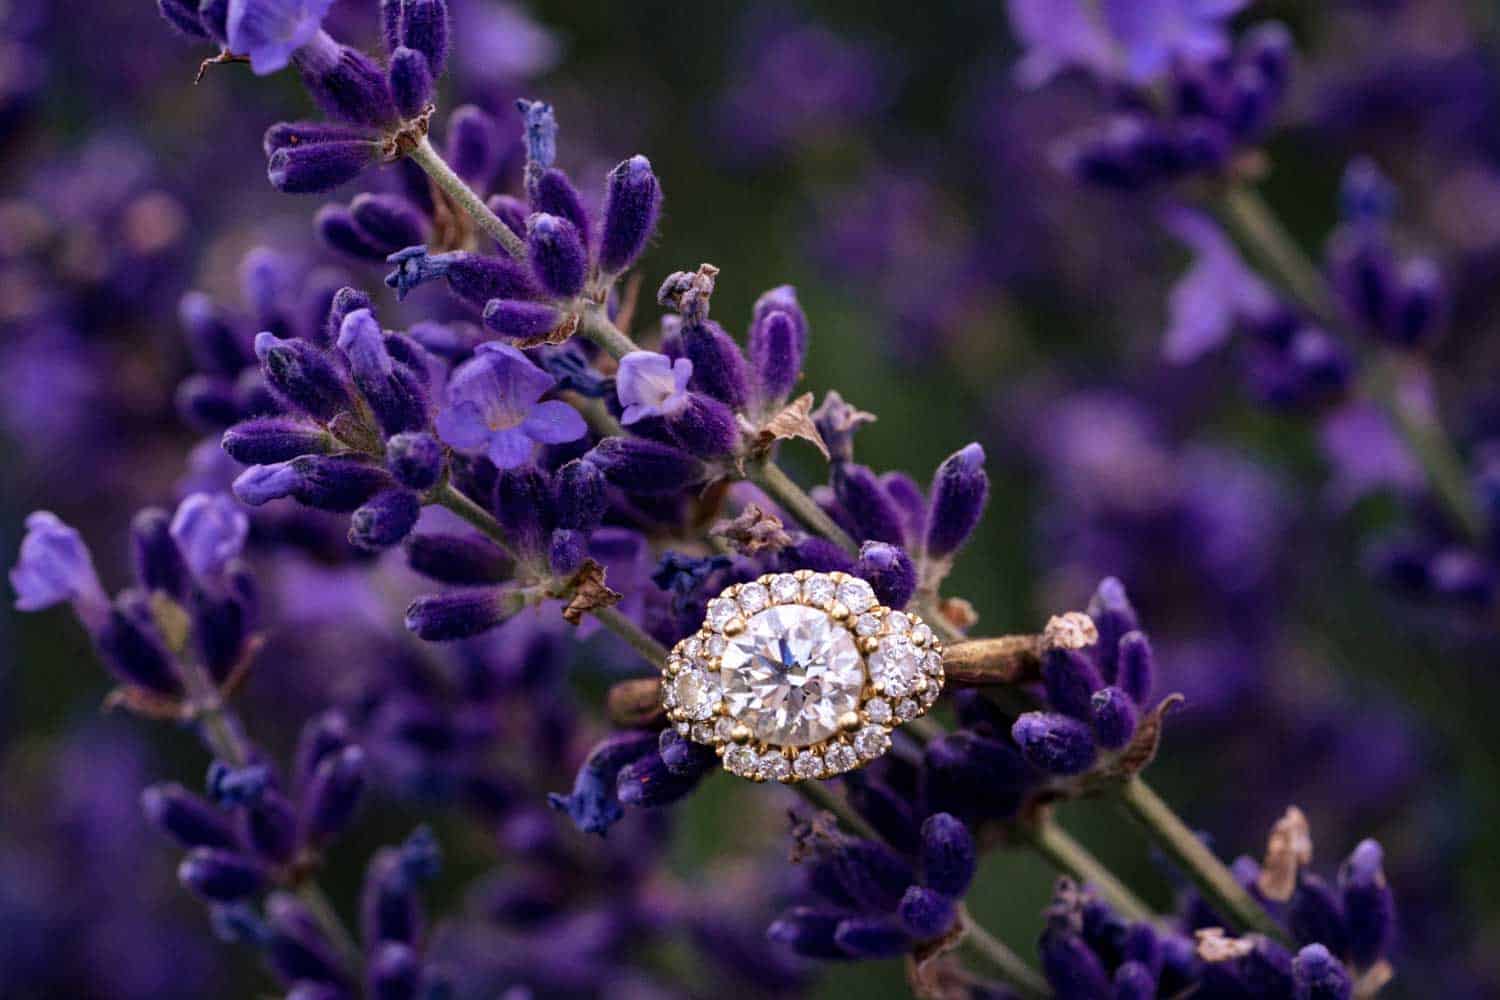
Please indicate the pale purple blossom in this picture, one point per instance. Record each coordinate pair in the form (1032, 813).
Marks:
(1216, 293)
(494, 408)
(55, 567)
(269, 31)
(652, 385)
(210, 531)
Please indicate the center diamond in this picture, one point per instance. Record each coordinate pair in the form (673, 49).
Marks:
(790, 675)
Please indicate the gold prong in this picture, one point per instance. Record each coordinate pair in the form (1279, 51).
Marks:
(803, 574)
(838, 612)
(720, 748)
(878, 687)
(734, 626)
(740, 733)
(868, 644)
(850, 722)
(920, 685)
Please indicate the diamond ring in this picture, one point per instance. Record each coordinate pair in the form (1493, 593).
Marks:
(801, 675)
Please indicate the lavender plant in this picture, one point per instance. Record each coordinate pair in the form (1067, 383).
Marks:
(552, 465)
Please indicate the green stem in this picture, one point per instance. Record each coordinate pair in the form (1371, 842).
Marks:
(446, 495)
(317, 903)
(433, 164)
(1012, 967)
(1209, 874)
(1072, 858)
(779, 487)
(1268, 242)
(651, 650)
(595, 325)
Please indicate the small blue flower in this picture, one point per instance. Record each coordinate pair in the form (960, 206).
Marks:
(652, 385)
(210, 531)
(494, 409)
(55, 566)
(269, 31)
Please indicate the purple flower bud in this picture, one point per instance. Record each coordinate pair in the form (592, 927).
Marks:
(776, 351)
(683, 757)
(704, 427)
(948, 855)
(332, 794)
(1420, 307)
(523, 506)
(1320, 976)
(870, 873)
(1133, 981)
(298, 948)
(632, 203)
(1072, 968)
(210, 532)
(959, 492)
(347, 84)
(559, 260)
(213, 338)
(297, 135)
(322, 735)
(55, 566)
(1315, 913)
(1135, 666)
(817, 554)
(808, 932)
(339, 483)
(391, 14)
(303, 375)
(1269, 47)
(782, 299)
(540, 134)
(384, 520)
(580, 496)
(1461, 576)
(719, 369)
(157, 561)
(1365, 194)
(648, 783)
(313, 169)
(424, 27)
(511, 211)
(214, 15)
(414, 459)
(463, 560)
(395, 392)
(345, 301)
(837, 422)
(460, 614)
(889, 811)
(395, 973)
(388, 221)
(646, 467)
(220, 875)
(592, 804)
(521, 320)
(926, 913)
(1057, 744)
(889, 570)
(185, 817)
(556, 195)
(183, 16)
(872, 937)
(1369, 907)
(1114, 717)
(973, 776)
(1070, 679)
(264, 440)
(875, 515)
(206, 402)
(270, 827)
(1266, 971)
(411, 85)
(474, 278)
(1113, 616)
(389, 908)
(131, 647)
(474, 146)
(566, 551)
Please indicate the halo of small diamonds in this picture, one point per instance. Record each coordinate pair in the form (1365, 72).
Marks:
(861, 669)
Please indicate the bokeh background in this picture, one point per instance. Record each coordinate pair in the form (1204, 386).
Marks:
(882, 158)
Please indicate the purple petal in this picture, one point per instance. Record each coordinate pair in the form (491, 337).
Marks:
(502, 382)
(269, 31)
(210, 531)
(554, 422)
(462, 426)
(510, 448)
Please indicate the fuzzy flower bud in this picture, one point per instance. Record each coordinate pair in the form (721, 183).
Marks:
(889, 570)
(959, 492)
(632, 203)
(1057, 744)
(559, 259)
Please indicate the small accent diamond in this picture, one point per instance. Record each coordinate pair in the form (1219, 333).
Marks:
(695, 693)
(878, 711)
(740, 760)
(808, 765)
(867, 625)
(894, 665)
(933, 664)
(898, 622)
(720, 611)
(872, 741)
(774, 767)
(754, 597)
(921, 635)
(839, 758)
(785, 588)
(818, 590)
(856, 595)
(703, 732)
(906, 709)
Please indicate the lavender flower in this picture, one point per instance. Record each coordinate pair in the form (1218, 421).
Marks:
(269, 31)
(494, 407)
